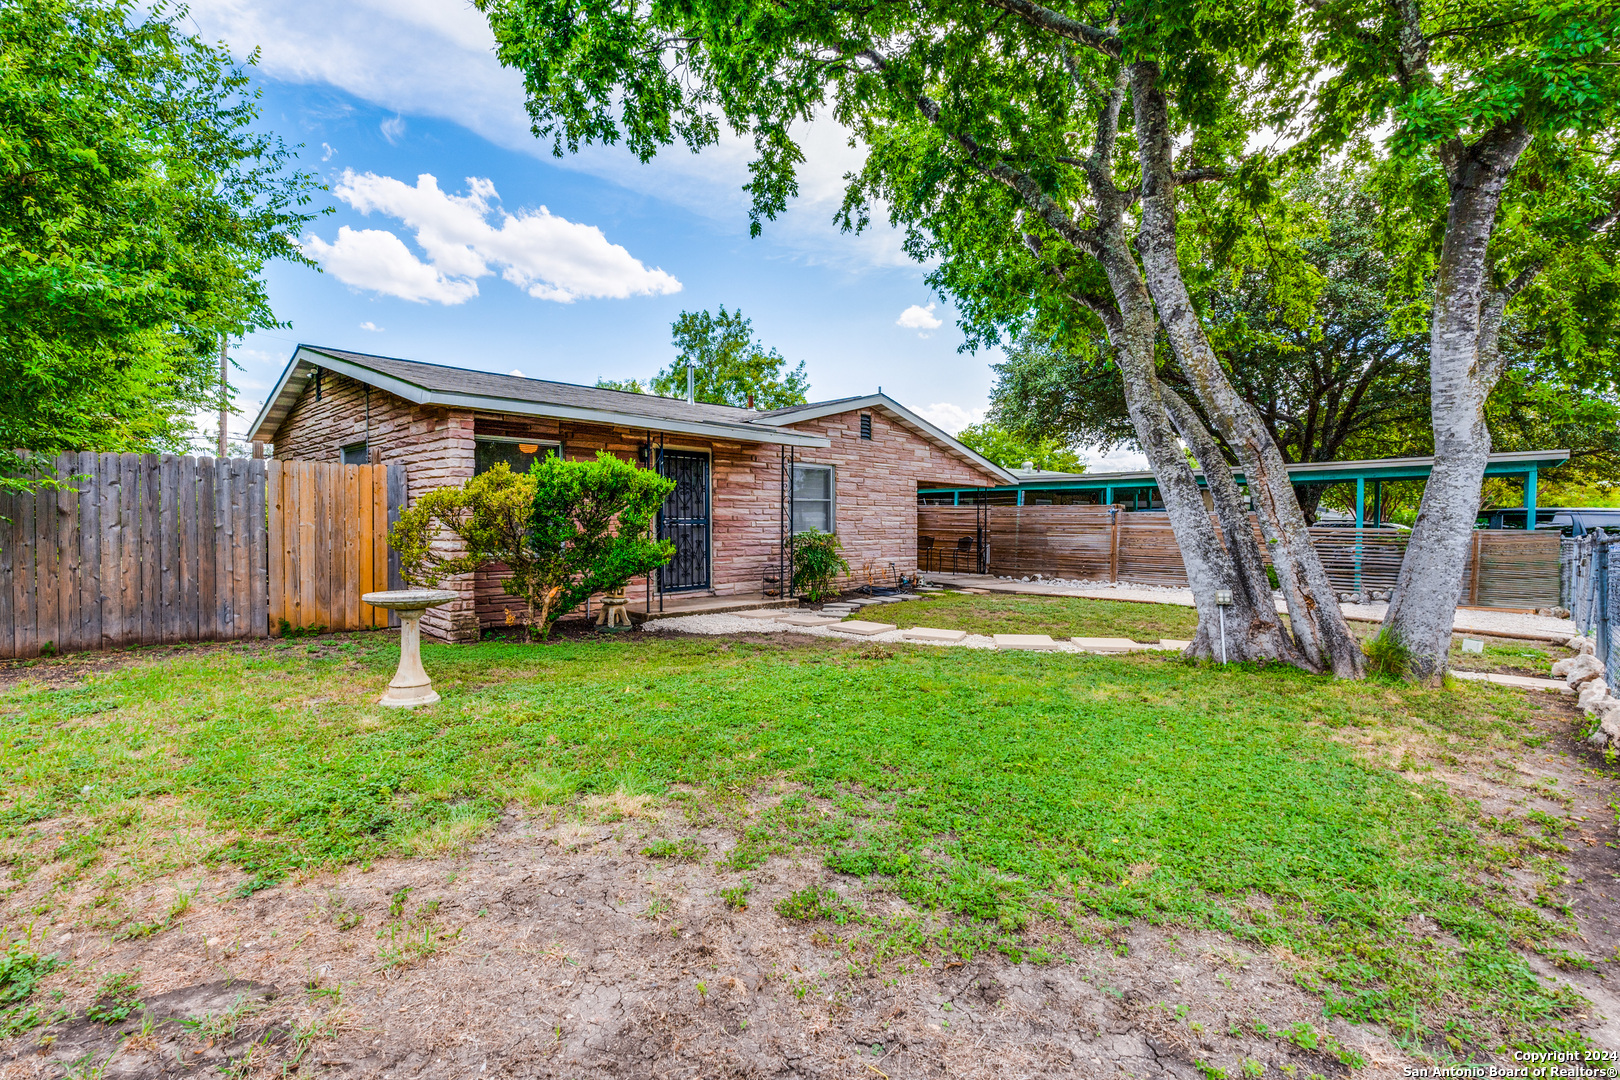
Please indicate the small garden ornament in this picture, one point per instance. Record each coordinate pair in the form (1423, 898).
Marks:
(410, 685)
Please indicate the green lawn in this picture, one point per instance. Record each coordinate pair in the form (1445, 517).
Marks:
(1059, 616)
(1004, 790)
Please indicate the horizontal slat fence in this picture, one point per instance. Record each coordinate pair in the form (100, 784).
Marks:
(1505, 568)
(135, 549)
(329, 542)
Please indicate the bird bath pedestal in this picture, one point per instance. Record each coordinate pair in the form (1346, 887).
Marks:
(410, 686)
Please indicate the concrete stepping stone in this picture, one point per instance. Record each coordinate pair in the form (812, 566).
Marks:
(938, 637)
(764, 613)
(809, 619)
(1031, 642)
(1106, 645)
(1170, 643)
(862, 627)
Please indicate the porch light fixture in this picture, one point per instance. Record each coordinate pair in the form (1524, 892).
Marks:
(528, 447)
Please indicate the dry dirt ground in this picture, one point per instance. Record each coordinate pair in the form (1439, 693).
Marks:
(562, 951)
(549, 948)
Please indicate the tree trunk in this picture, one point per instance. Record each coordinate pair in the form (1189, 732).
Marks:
(1248, 629)
(1463, 368)
(1318, 625)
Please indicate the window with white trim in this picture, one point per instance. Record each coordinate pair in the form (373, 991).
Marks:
(813, 488)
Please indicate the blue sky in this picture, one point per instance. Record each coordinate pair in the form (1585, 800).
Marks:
(510, 260)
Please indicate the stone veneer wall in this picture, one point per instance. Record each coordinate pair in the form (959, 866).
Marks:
(434, 444)
(875, 483)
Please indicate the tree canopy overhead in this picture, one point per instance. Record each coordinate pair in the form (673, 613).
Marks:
(138, 204)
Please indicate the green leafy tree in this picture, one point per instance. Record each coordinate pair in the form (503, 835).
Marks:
(629, 386)
(592, 527)
(730, 367)
(488, 522)
(1504, 186)
(1300, 325)
(998, 138)
(139, 202)
(1011, 450)
(565, 530)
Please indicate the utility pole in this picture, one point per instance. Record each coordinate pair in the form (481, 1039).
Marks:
(224, 396)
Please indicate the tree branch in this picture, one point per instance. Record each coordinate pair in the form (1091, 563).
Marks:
(1044, 18)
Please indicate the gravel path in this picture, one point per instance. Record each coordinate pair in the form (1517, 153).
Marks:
(735, 624)
(1466, 621)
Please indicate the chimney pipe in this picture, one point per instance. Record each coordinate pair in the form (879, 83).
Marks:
(691, 384)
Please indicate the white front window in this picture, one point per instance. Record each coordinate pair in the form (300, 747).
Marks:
(813, 498)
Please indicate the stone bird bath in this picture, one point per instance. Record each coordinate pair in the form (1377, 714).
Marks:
(410, 686)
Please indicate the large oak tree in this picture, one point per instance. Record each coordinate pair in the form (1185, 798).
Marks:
(1002, 133)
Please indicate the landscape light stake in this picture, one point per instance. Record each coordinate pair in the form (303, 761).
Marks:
(1223, 598)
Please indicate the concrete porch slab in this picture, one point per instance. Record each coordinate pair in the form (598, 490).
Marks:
(862, 628)
(1030, 642)
(938, 637)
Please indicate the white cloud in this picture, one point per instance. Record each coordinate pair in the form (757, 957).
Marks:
(437, 59)
(327, 150)
(549, 257)
(919, 318)
(373, 327)
(393, 129)
(378, 260)
(950, 418)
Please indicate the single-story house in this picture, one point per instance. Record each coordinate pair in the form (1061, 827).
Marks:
(745, 478)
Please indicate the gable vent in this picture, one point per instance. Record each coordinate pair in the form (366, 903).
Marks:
(866, 425)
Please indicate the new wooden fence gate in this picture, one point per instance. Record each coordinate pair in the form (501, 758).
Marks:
(149, 549)
(329, 542)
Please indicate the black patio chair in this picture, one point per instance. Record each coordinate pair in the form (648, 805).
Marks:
(964, 546)
(925, 551)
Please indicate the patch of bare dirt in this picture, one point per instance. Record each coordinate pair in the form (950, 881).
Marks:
(562, 951)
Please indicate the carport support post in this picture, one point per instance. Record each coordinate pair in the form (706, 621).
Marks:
(1530, 499)
(1020, 496)
(1108, 495)
(1378, 504)
(1361, 503)
(956, 497)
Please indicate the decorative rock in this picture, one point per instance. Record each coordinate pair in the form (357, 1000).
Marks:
(861, 627)
(1030, 642)
(1561, 669)
(938, 637)
(1592, 692)
(1585, 668)
(763, 613)
(1580, 643)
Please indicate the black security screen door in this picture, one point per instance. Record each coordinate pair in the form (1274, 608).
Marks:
(685, 520)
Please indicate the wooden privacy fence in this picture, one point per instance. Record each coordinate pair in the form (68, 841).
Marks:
(329, 542)
(1505, 568)
(139, 549)
(149, 549)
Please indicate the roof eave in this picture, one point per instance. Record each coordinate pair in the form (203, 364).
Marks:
(279, 404)
(888, 404)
